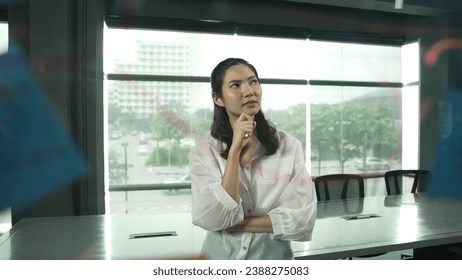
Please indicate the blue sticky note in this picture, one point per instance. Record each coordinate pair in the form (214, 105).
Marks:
(446, 180)
(37, 154)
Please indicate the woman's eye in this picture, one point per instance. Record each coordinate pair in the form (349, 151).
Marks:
(254, 82)
(234, 85)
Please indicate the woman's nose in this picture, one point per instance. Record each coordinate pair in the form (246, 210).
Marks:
(248, 91)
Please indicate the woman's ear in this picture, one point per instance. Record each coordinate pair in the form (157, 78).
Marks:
(217, 100)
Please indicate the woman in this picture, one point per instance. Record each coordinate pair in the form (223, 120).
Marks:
(250, 186)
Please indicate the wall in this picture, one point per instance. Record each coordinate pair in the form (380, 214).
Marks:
(63, 42)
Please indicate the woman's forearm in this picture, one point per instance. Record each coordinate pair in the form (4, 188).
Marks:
(230, 179)
(254, 224)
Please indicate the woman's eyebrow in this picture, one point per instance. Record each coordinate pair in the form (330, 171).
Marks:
(240, 81)
(234, 81)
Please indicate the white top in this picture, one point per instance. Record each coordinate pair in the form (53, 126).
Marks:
(278, 185)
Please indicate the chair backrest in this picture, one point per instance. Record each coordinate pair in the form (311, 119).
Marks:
(396, 180)
(339, 186)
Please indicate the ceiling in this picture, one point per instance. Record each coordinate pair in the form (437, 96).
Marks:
(410, 7)
(414, 7)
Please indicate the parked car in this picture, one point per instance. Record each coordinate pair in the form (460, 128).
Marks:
(187, 142)
(115, 135)
(142, 149)
(372, 163)
(184, 179)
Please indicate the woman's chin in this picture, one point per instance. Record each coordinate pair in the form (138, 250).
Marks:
(252, 112)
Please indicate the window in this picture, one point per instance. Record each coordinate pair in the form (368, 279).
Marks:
(5, 214)
(357, 109)
(343, 101)
(3, 37)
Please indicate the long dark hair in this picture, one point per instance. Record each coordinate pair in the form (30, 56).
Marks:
(221, 128)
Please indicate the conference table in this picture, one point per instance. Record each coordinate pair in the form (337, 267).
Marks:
(344, 228)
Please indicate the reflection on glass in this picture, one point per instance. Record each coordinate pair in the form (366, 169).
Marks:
(337, 209)
(189, 53)
(3, 38)
(407, 226)
(355, 62)
(5, 214)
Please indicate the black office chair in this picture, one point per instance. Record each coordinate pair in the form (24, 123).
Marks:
(396, 179)
(339, 186)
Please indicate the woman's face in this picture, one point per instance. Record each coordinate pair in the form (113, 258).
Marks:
(241, 92)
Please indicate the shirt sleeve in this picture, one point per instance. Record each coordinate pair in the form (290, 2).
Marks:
(213, 208)
(295, 218)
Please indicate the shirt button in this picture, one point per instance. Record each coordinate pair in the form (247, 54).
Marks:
(247, 167)
(248, 210)
(245, 248)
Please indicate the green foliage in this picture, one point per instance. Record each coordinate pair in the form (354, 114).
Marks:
(171, 122)
(116, 169)
(175, 156)
(352, 129)
(114, 115)
(129, 120)
(341, 131)
(202, 120)
(292, 120)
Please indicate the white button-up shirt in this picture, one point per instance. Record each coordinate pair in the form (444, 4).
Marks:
(278, 185)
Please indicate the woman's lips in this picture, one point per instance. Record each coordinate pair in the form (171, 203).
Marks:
(251, 104)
